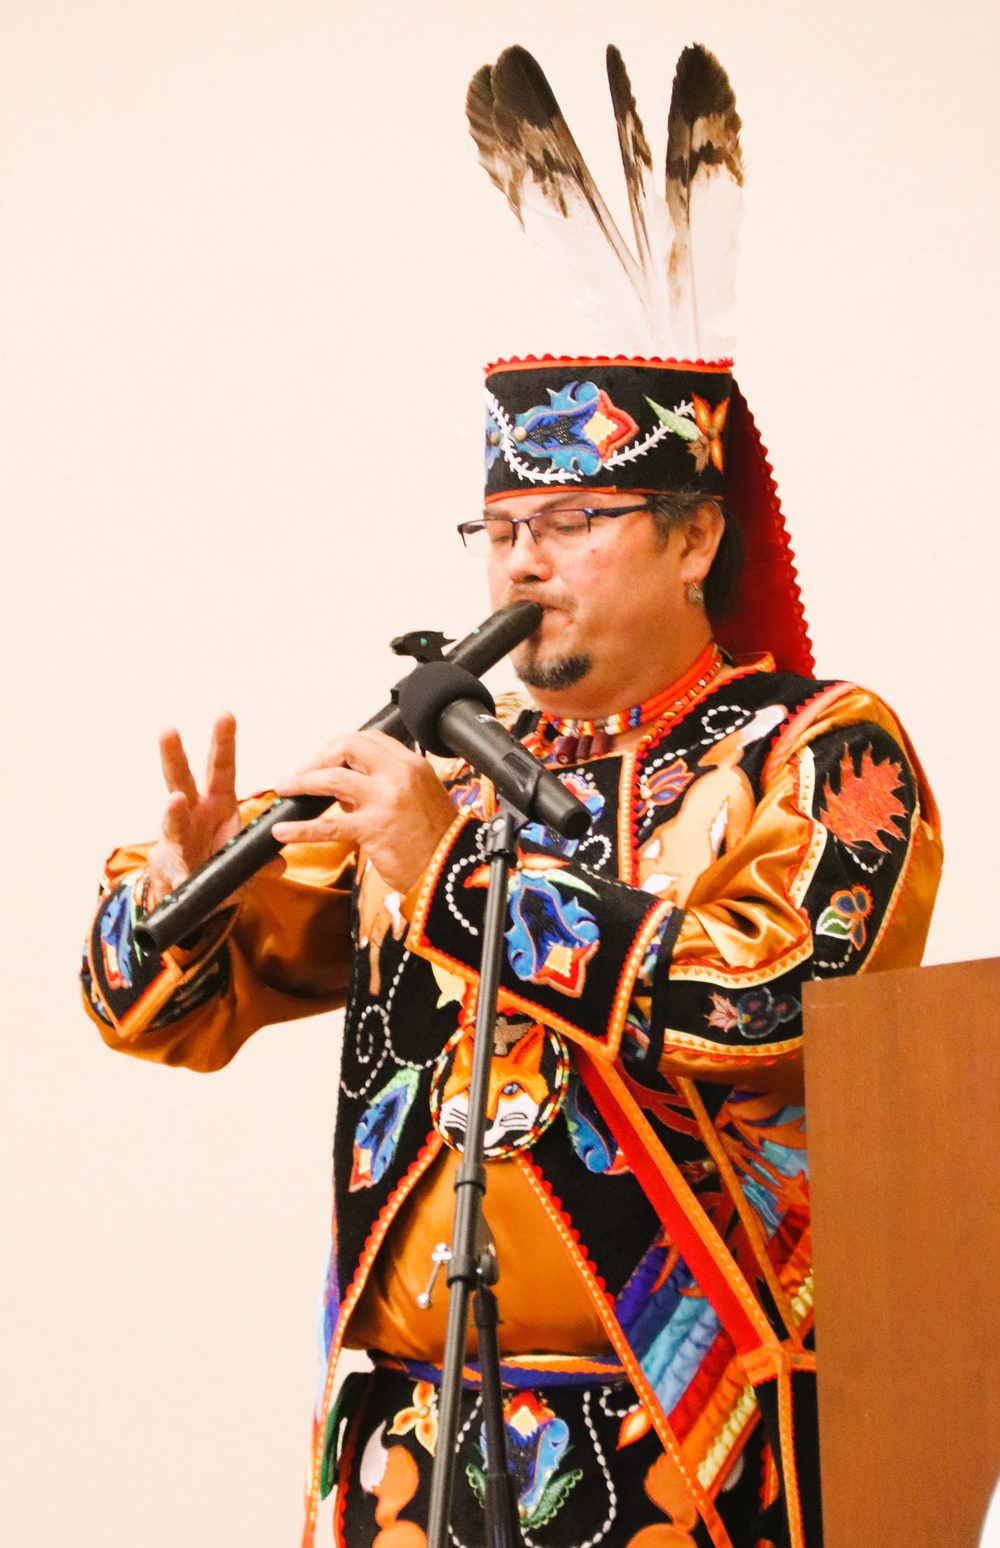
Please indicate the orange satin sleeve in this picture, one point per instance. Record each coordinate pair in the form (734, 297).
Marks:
(289, 948)
(744, 921)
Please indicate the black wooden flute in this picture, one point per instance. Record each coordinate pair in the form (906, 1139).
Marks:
(185, 910)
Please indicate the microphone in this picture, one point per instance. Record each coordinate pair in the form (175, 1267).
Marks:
(447, 710)
(184, 911)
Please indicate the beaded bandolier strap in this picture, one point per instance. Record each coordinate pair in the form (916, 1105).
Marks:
(573, 741)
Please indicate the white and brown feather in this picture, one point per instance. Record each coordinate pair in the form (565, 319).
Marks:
(704, 181)
(677, 298)
(526, 147)
(651, 220)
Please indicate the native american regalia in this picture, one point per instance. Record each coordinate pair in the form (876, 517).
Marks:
(647, 1164)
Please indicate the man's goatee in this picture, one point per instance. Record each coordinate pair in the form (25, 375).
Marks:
(551, 676)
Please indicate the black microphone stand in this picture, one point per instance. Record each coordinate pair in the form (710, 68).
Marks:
(472, 1268)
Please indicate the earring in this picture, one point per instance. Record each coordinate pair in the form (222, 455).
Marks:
(695, 595)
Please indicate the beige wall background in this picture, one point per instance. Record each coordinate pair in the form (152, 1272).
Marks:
(249, 274)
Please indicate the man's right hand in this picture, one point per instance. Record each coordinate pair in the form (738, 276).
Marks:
(195, 825)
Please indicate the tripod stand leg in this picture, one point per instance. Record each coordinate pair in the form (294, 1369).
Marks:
(503, 1526)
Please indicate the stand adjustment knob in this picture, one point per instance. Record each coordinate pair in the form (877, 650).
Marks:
(439, 1257)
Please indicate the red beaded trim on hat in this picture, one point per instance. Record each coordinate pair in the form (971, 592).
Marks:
(518, 362)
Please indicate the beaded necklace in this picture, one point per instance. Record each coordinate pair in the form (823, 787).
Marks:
(573, 741)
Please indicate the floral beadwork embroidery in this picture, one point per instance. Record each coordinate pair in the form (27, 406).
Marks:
(866, 805)
(117, 944)
(660, 787)
(537, 1441)
(846, 916)
(755, 1015)
(590, 1136)
(581, 432)
(711, 422)
(421, 1417)
(698, 424)
(577, 431)
(580, 784)
(379, 1127)
(551, 937)
(467, 796)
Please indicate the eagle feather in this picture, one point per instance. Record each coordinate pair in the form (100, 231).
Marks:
(704, 188)
(675, 295)
(526, 147)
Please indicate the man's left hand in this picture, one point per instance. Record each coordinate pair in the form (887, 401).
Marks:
(391, 804)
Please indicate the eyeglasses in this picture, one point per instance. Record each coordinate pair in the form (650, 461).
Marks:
(561, 528)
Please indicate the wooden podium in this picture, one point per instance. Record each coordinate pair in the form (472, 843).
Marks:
(903, 1092)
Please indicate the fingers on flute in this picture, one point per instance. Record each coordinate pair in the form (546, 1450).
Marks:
(341, 784)
(387, 748)
(331, 756)
(365, 751)
(330, 828)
